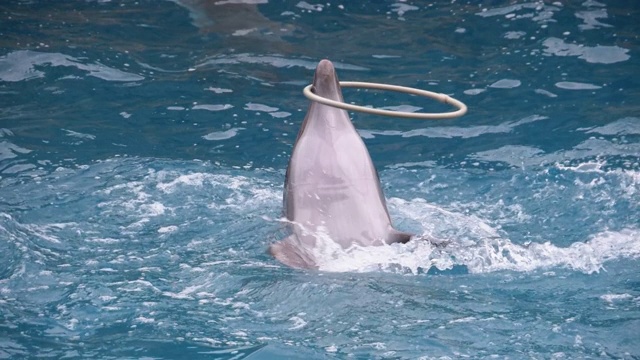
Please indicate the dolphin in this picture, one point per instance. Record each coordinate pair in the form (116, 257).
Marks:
(332, 189)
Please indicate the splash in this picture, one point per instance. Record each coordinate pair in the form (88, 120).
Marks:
(478, 248)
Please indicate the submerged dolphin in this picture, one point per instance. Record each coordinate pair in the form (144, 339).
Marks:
(332, 189)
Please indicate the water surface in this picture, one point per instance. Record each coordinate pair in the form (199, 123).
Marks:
(143, 146)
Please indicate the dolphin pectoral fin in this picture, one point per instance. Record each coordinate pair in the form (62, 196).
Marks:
(287, 253)
(396, 236)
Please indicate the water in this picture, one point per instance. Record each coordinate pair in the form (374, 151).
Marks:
(143, 147)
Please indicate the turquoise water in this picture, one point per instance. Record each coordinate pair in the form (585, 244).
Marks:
(143, 146)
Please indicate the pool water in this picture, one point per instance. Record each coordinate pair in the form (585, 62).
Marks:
(143, 147)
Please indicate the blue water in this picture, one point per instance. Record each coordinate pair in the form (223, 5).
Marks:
(143, 146)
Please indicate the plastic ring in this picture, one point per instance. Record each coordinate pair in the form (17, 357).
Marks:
(462, 108)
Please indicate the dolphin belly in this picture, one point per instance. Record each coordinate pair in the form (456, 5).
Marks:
(346, 213)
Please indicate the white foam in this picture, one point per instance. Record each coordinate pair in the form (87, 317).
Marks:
(570, 85)
(250, 2)
(222, 135)
(311, 7)
(477, 246)
(212, 107)
(381, 56)
(240, 192)
(611, 298)
(196, 179)
(144, 320)
(79, 135)
(453, 131)
(153, 209)
(167, 229)
(464, 320)
(624, 126)
(412, 257)
(20, 65)
(545, 93)
(597, 54)
(275, 61)
(514, 34)
(505, 10)
(514, 155)
(402, 108)
(587, 257)
(298, 323)
(426, 164)
(259, 107)
(331, 349)
(589, 166)
(402, 8)
(280, 114)
(185, 294)
(244, 32)
(591, 3)
(541, 13)
(218, 90)
(9, 150)
(474, 91)
(590, 18)
(103, 240)
(42, 232)
(239, 333)
(505, 84)
(520, 155)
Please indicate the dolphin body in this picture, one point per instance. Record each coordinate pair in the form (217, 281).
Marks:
(332, 190)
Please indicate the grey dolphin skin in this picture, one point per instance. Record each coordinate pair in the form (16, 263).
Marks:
(332, 189)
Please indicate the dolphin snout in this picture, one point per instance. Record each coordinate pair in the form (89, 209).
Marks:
(325, 81)
(325, 68)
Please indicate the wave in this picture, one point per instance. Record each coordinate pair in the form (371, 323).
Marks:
(476, 247)
(218, 211)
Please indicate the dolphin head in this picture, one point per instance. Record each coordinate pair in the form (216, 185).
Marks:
(322, 117)
(325, 81)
